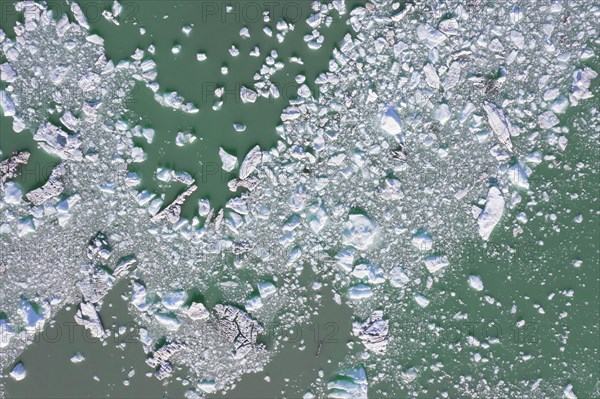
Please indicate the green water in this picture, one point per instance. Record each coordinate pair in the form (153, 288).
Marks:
(51, 374)
(196, 82)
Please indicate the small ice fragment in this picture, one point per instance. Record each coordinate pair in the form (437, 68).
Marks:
(207, 386)
(547, 120)
(229, 162)
(172, 212)
(398, 278)
(95, 39)
(476, 283)
(442, 114)
(201, 57)
(138, 297)
(7, 74)
(436, 263)
(390, 121)
(431, 76)
(203, 207)
(184, 138)
(422, 241)
(247, 95)
(88, 317)
(117, 8)
(77, 358)
(421, 300)
(518, 177)
(430, 36)
(266, 289)
(7, 332)
(25, 226)
(568, 392)
(138, 155)
(168, 321)
(348, 384)
(197, 311)
(6, 103)
(253, 304)
(10, 167)
(18, 373)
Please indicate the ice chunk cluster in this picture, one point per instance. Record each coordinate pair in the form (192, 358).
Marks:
(423, 112)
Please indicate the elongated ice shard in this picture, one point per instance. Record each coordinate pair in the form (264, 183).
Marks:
(491, 214)
(500, 124)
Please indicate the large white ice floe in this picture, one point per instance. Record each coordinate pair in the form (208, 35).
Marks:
(359, 231)
(491, 213)
(373, 332)
(58, 142)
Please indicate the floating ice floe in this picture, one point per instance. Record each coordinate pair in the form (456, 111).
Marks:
(251, 161)
(491, 214)
(247, 95)
(197, 311)
(77, 358)
(359, 232)
(10, 167)
(18, 373)
(421, 300)
(33, 315)
(266, 289)
(7, 332)
(228, 161)
(12, 193)
(518, 176)
(58, 142)
(373, 332)
(390, 121)
(6, 103)
(88, 317)
(436, 263)
(422, 241)
(582, 80)
(159, 359)
(568, 392)
(51, 189)
(174, 300)
(237, 327)
(475, 283)
(172, 212)
(184, 138)
(500, 124)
